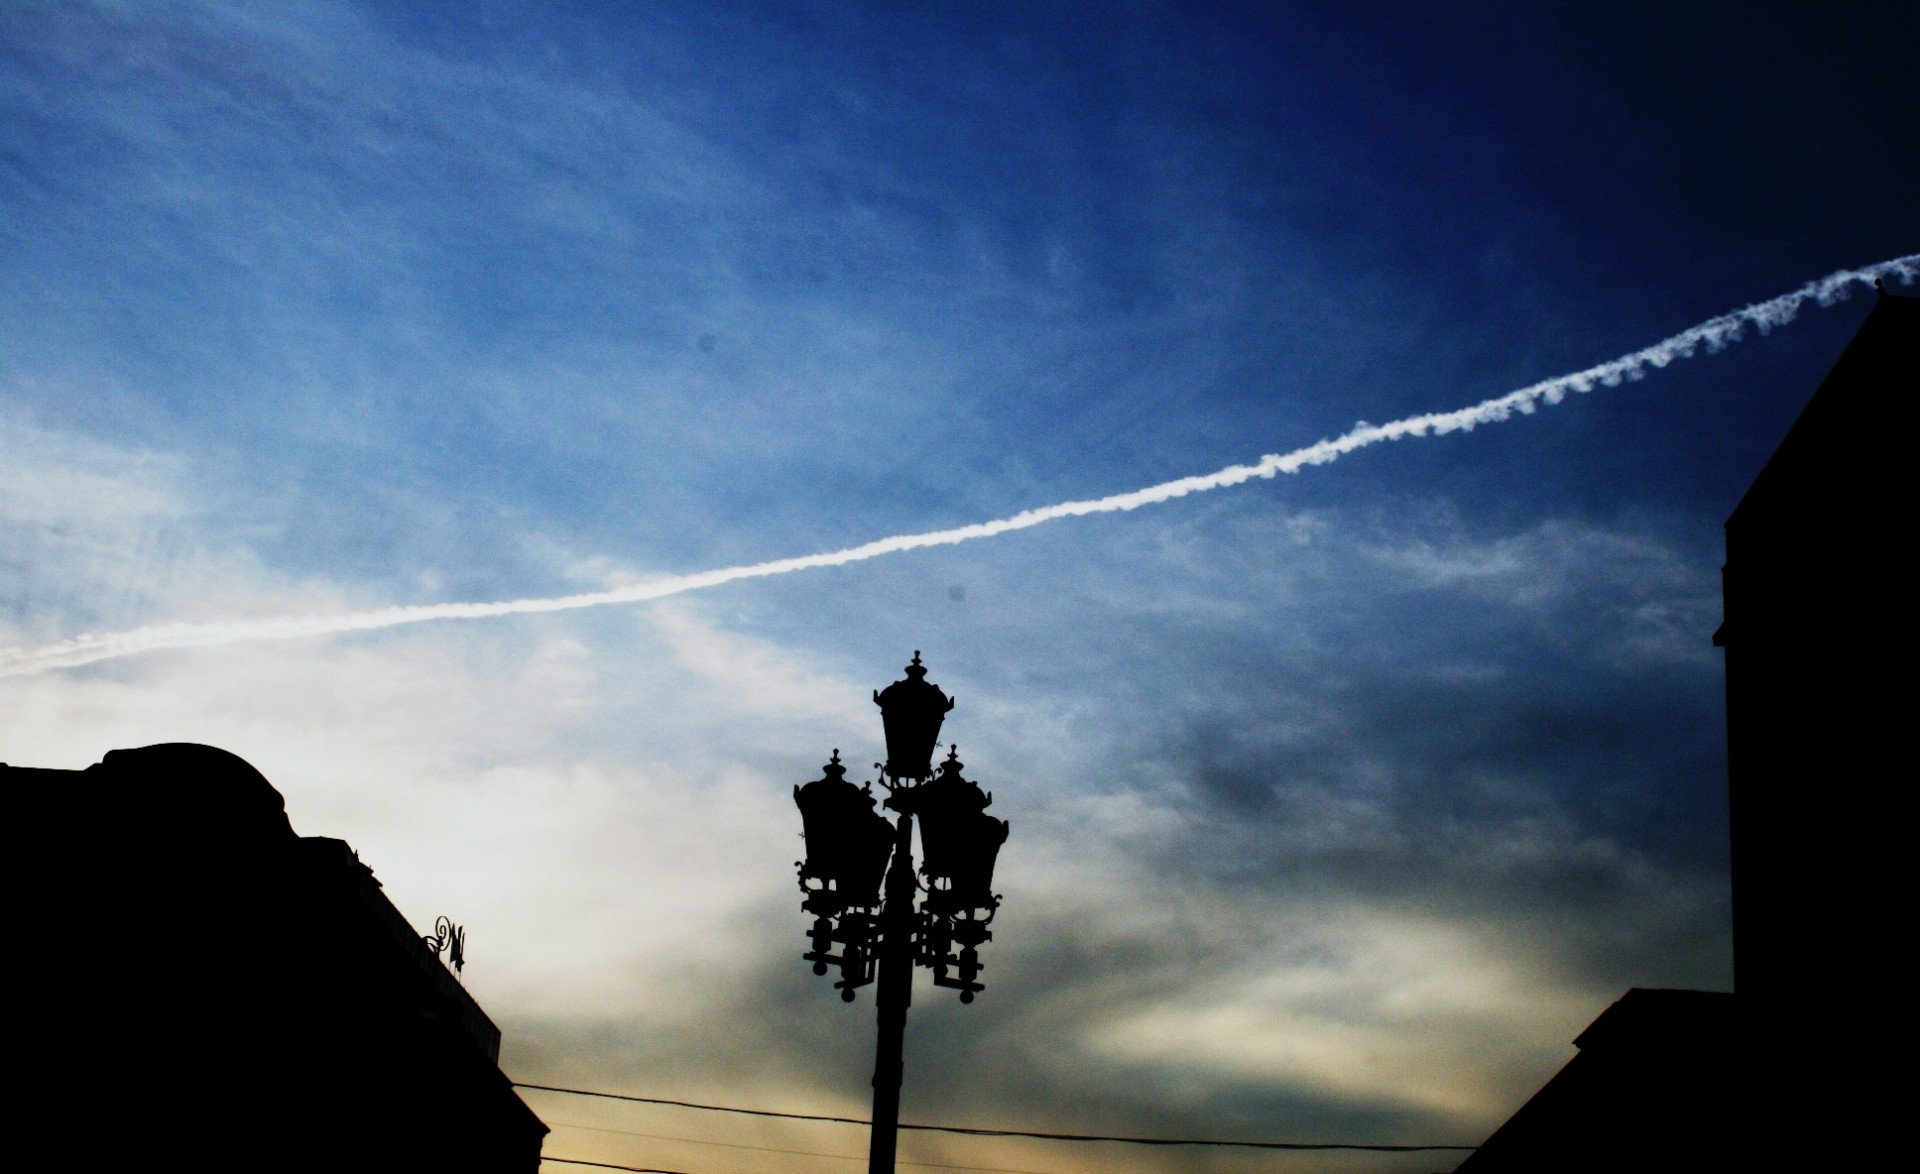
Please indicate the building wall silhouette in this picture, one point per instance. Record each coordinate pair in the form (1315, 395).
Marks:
(1787, 1071)
(206, 987)
(1817, 586)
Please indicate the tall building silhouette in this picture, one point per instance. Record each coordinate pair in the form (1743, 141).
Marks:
(203, 987)
(1816, 585)
(1787, 1070)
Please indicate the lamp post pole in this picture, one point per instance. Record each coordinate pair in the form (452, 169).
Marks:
(893, 997)
(851, 848)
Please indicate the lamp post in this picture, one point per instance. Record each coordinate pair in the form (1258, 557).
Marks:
(851, 848)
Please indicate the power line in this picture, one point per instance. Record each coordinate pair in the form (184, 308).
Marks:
(609, 1165)
(614, 1096)
(769, 1149)
(969, 1131)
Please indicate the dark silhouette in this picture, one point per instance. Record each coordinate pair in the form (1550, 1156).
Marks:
(206, 988)
(850, 846)
(1816, 586)
(1653, 1088)
(911, 712)
(449, 939)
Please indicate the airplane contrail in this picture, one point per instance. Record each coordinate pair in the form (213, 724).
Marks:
(1712, 335)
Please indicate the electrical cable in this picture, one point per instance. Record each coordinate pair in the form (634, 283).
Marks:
(609, 1165)
(769, 1149)
(969, 1131)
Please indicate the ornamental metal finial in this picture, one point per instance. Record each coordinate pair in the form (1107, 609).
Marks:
(449, 939)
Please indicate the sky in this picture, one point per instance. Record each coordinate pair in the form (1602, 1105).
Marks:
(1341, 800)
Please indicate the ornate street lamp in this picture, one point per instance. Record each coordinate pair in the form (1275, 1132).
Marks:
(849, 848)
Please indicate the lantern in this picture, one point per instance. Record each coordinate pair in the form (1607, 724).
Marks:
(848, 842)
(911, 711)
(960, 839)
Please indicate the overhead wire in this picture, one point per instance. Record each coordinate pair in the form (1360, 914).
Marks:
(971, 1131)
(609, 1165)
(769, 1149)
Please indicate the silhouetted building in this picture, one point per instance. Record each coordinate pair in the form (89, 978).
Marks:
(1653, 1088)
(1815, 585)
(205, 988)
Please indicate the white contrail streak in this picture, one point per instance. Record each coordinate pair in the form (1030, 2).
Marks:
(1712, 335)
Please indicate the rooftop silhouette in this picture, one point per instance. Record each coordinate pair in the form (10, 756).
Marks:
(248, 997)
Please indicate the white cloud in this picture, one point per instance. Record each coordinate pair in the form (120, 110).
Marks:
(1630, 596)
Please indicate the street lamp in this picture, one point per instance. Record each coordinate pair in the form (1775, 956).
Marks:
(851, 847)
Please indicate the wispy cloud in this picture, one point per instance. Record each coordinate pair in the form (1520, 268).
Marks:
(1710, 337)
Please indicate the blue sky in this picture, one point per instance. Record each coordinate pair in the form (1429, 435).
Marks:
(1340, 802)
